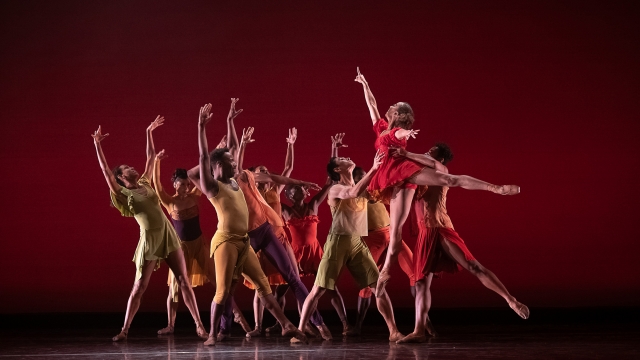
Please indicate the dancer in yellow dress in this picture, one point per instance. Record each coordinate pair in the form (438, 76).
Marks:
(185, 215)
(133, 196)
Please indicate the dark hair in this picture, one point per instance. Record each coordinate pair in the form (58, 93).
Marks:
(331, 167)
(357, 168)
(405, 116)
(117, 171)
(217, 154)
(179, 174)
(444, 152)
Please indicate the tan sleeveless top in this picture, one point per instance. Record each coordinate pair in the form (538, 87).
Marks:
(377, 215)
(232, 211)
(349, 217)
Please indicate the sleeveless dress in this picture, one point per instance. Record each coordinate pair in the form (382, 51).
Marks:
(157, 237)
(304, 241)
(393, 172)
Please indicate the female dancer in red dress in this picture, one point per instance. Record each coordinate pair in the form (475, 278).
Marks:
(398, 178)
(439, 249)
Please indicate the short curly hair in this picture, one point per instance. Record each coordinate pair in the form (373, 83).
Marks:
(179, 173)
(444, 152)
(217, 154)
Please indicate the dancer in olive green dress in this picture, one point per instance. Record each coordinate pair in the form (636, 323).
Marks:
(133, 196)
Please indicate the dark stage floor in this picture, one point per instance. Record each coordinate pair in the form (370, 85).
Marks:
(608, 335)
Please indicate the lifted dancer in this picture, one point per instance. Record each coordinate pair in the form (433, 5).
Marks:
(185, 214)
(344, 246)
(133, 196)
(230, 244)
(439, 248)
(396, 181)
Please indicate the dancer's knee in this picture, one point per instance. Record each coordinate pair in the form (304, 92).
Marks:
(221, 296)
(475, 268)
(138, 289)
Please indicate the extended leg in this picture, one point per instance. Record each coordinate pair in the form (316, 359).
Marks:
(431, 177)
(135, 297)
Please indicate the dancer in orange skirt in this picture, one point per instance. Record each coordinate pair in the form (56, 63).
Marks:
(439, 248)
(396, 181)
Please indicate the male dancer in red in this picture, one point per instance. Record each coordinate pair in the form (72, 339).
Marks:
(439, 248)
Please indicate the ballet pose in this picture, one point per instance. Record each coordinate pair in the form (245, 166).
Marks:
(185, 214)
(133, 196)
(439, 248)
(230, 245)
(344, 246)
(396, 181)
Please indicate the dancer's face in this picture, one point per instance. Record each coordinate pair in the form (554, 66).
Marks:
(181, 186)
(261, 169)
(392, 113)
(227, 166)
(358, 175)
(128, 173)
(434, 152)
(345, 165)
(298, 193)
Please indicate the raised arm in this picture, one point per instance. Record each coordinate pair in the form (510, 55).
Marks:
(108, 175)
(318, 198)
(151, 150)
(288, 162)
(232, 137)
(406, 134)
(208, 184)
(165, 198)
(194, 173)
(368, 96)
(423, 159)
(283, 180)
(246, 139)
(350, 192)
(336, 143)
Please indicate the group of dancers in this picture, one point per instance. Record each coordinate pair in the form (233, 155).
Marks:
(267, 243)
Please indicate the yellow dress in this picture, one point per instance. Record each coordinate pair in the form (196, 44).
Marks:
(157, 237)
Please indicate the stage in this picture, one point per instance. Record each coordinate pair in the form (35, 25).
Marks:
(463, 333)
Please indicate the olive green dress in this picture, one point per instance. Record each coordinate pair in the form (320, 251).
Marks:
(158, 238)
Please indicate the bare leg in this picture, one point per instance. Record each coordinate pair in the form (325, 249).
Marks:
(363, 306)
(338, 304)
(172, 307)
(423, 304)
(175, 260)
(280, 295)
(486, 277)
(258, 312)
(431, 177)
(384, 306)
(310, 305)
(135, 297)
(399, 206)
(238, 317)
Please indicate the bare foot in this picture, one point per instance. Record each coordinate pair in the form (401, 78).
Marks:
(311, 331)
(382, 282)
(222, 337)
(239, 319)
(354, 331)
(295, 341)
(202, 333)
(521, 309)
(292, 331)
(325, 332)
(120, 337)
(273, 329)
(506, 189)
(395, 336)
(255, 332)
(412, 338)
(166, 331)
(346, 328)
(211, 341)
(430, 329)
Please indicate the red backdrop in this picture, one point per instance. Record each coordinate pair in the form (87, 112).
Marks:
(540, 94)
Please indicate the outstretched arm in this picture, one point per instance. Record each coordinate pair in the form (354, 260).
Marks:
(368, 96)
(108, 175)
(336, 143)
(318, 198)
(165, 198)
(246, 139)
(151, 151)
(208, 184)
(423, 159)
(283, 180)
(344, 192)
(232, 137)
(288, 162)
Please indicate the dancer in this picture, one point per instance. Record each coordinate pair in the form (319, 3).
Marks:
(229, 246)
(396, 181)
(185, 215)
(344, 246)
(439, 248)
(264, 221)
(133, 196)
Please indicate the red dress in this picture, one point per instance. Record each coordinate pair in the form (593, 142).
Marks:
(393, 172)
(304, 241)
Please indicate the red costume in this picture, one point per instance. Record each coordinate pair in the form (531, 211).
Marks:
(304, 241)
